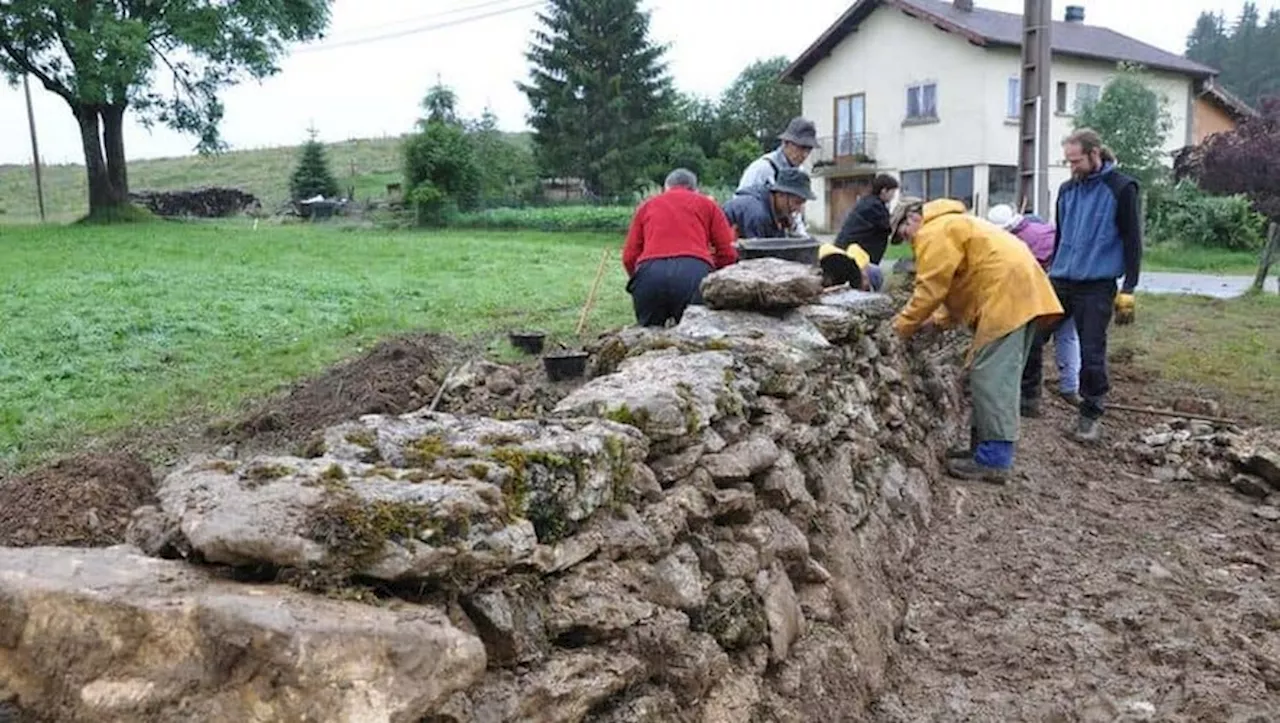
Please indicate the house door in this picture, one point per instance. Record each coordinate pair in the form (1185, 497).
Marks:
(851, 126)
(842, 194)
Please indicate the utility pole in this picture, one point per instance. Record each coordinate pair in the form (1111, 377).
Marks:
(1033, 128)
(35, 146)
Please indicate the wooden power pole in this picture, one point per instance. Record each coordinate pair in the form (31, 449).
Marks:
(1033, 129)
(35, 146)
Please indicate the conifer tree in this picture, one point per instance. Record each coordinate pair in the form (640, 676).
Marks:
(312, 177)
(599, 89)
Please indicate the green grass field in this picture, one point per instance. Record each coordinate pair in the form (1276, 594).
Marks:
(1231, 347)
(109, 328)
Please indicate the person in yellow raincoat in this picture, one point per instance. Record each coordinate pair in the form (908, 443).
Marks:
(971, 272)
(850, 266)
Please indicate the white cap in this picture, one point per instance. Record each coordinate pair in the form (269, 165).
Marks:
(1003, 216)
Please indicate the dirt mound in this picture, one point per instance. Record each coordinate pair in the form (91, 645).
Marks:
(395, 376)
(81, 501)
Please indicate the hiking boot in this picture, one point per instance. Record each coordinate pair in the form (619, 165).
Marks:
(1087, 430)
(960, 451)
(1029, 408)
(969, 469)
(1072, 398)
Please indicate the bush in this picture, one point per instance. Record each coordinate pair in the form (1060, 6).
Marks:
(1187, 216)
(612, 219)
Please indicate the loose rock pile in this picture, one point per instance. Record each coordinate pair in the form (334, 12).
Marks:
(199, 202)
(711, 529)
(1187, 451)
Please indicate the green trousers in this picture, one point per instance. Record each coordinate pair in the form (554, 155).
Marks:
(995, 385)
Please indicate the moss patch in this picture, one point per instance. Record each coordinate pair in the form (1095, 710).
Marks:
(625, 415)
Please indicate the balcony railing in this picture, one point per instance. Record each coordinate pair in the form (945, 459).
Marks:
(848, 149)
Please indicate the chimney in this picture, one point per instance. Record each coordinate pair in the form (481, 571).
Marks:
(964, 5)
(1075, 14)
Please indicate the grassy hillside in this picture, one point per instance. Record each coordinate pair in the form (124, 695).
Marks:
(367, 164)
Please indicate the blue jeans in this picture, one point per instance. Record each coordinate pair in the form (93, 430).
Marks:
(662, 289)
(1066, 352)
(1089, 305)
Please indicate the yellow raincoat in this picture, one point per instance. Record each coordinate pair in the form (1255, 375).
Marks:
(974, 273)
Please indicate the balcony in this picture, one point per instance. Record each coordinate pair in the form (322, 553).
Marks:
(846, 152)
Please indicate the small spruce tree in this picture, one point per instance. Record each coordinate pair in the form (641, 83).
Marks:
(312, 176)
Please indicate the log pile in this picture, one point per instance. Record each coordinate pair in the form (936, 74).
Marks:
(210, 202)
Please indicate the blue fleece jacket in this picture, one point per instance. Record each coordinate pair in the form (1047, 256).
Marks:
(1099, 229)
(750, 212)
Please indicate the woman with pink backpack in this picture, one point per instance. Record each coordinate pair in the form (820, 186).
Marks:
(1039, 237)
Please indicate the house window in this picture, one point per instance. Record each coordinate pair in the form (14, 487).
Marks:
(922, 102)
(1086, 95)
(960, 184)
(934, 183)
(851, 126)
(913, 183)
(1002, 185)
(1060, 106)
(1013, 99)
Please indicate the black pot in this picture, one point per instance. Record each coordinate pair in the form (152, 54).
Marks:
(529, 342)
(800, 250)
(563, 365)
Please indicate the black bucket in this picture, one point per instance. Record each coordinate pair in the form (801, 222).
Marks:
(562, 365)
(800, 250)
(529, 342)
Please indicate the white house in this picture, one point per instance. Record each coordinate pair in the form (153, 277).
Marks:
(928, 91)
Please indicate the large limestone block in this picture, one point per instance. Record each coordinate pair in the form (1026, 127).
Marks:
(762, 284)
(407, 497)
(665, 394)
(109, 635)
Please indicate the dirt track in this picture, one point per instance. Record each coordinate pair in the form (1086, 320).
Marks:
(1082, 593)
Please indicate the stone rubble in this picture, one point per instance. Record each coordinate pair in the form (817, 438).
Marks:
(1189, 450)
(710, 529)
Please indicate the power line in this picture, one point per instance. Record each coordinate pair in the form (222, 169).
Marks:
(466, 8)
(417, 30)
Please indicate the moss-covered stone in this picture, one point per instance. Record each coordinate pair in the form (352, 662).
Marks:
(333, 473)
(424, 452)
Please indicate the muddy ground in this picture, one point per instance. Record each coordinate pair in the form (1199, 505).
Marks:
(1087, 591)
(1082, 591)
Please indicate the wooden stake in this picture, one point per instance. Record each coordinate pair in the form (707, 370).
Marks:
(591, 297)
(35, 146)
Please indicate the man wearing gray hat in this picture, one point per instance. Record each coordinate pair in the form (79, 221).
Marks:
(798, 140)
(769, 210)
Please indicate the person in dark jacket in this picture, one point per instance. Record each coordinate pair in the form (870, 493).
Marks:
(867, 224)
(676, 239)
(766, 211)
(1098, 240)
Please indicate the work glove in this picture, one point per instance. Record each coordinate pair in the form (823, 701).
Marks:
(1124, 309)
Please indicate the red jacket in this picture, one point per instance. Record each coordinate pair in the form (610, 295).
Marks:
(679, 222)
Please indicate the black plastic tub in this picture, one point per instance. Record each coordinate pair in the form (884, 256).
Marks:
(562, 365)
(529, 342)
(800, 250)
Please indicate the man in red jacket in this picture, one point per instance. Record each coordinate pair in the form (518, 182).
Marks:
(676, 239)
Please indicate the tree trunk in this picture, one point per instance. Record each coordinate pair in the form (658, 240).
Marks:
(105, 199)
(113, 140)
(1270, 254)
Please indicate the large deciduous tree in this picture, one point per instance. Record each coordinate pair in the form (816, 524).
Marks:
(1247, 160)
(1134, 121)
(106, 58)
(757, 104)
(599, 91)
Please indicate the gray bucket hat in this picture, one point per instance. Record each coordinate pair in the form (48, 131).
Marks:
(801, 132)
(793, 181)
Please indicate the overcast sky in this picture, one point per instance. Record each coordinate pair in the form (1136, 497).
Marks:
(357, 90)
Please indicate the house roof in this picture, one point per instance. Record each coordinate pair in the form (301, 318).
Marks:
(1224, 99)
(992, 28)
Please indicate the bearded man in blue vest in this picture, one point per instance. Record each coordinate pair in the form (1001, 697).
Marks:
(1099, 240)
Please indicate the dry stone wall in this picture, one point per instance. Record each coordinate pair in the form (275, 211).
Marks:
(711, 529)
